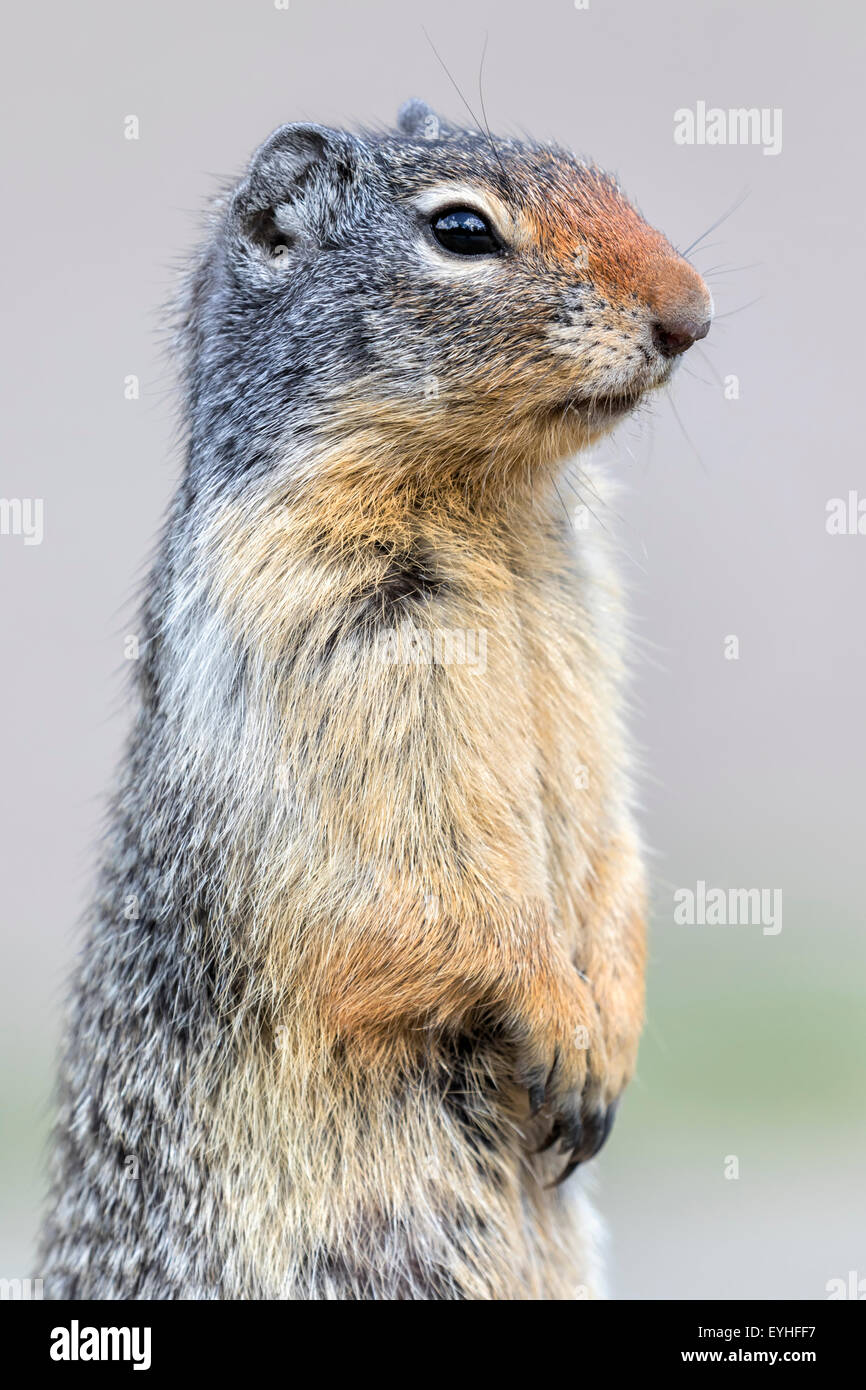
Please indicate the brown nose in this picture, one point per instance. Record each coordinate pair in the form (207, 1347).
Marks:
(681, 305)
(673, 336)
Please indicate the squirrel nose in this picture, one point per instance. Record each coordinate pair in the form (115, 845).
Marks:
(674, 335)
(680, 305)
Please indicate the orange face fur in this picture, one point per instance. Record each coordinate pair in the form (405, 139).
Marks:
(493, 365)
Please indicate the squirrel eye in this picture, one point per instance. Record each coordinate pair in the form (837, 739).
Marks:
(465, 232)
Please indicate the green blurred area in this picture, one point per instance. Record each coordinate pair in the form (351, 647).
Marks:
(753, 1050)
(767, 1027)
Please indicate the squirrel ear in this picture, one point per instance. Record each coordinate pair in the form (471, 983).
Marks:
(297, 163)
(418, 119)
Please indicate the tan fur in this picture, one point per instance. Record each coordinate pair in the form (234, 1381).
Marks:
(375, 935)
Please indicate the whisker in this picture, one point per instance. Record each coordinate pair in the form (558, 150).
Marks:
(620, 518)
(479, 127)
(724, 217)
(505, 175)
(731, 269)
(694, 376)
(710, 246)
(706, 359)
(685, 432)
(739, 310)
(561, 503)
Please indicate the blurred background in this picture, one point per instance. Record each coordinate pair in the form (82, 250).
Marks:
(753, 767)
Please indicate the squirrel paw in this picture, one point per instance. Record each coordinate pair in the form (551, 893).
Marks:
(572, 1090)
(581, 1137)
(574, 1069)
(579, 1122)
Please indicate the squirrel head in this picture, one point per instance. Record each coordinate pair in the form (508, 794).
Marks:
(430, 297)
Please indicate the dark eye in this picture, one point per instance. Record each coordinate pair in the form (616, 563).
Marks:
(465, 232)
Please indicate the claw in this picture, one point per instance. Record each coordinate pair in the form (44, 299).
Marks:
(566, 1173)
(572, 1134)
(536, 1099)
(593, 1137)
(600, 1129)
(587, 1141)
(552, 1138)
(553, 1070)
(609, 1119)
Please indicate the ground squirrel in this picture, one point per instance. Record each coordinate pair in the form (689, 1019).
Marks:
(364, 977)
